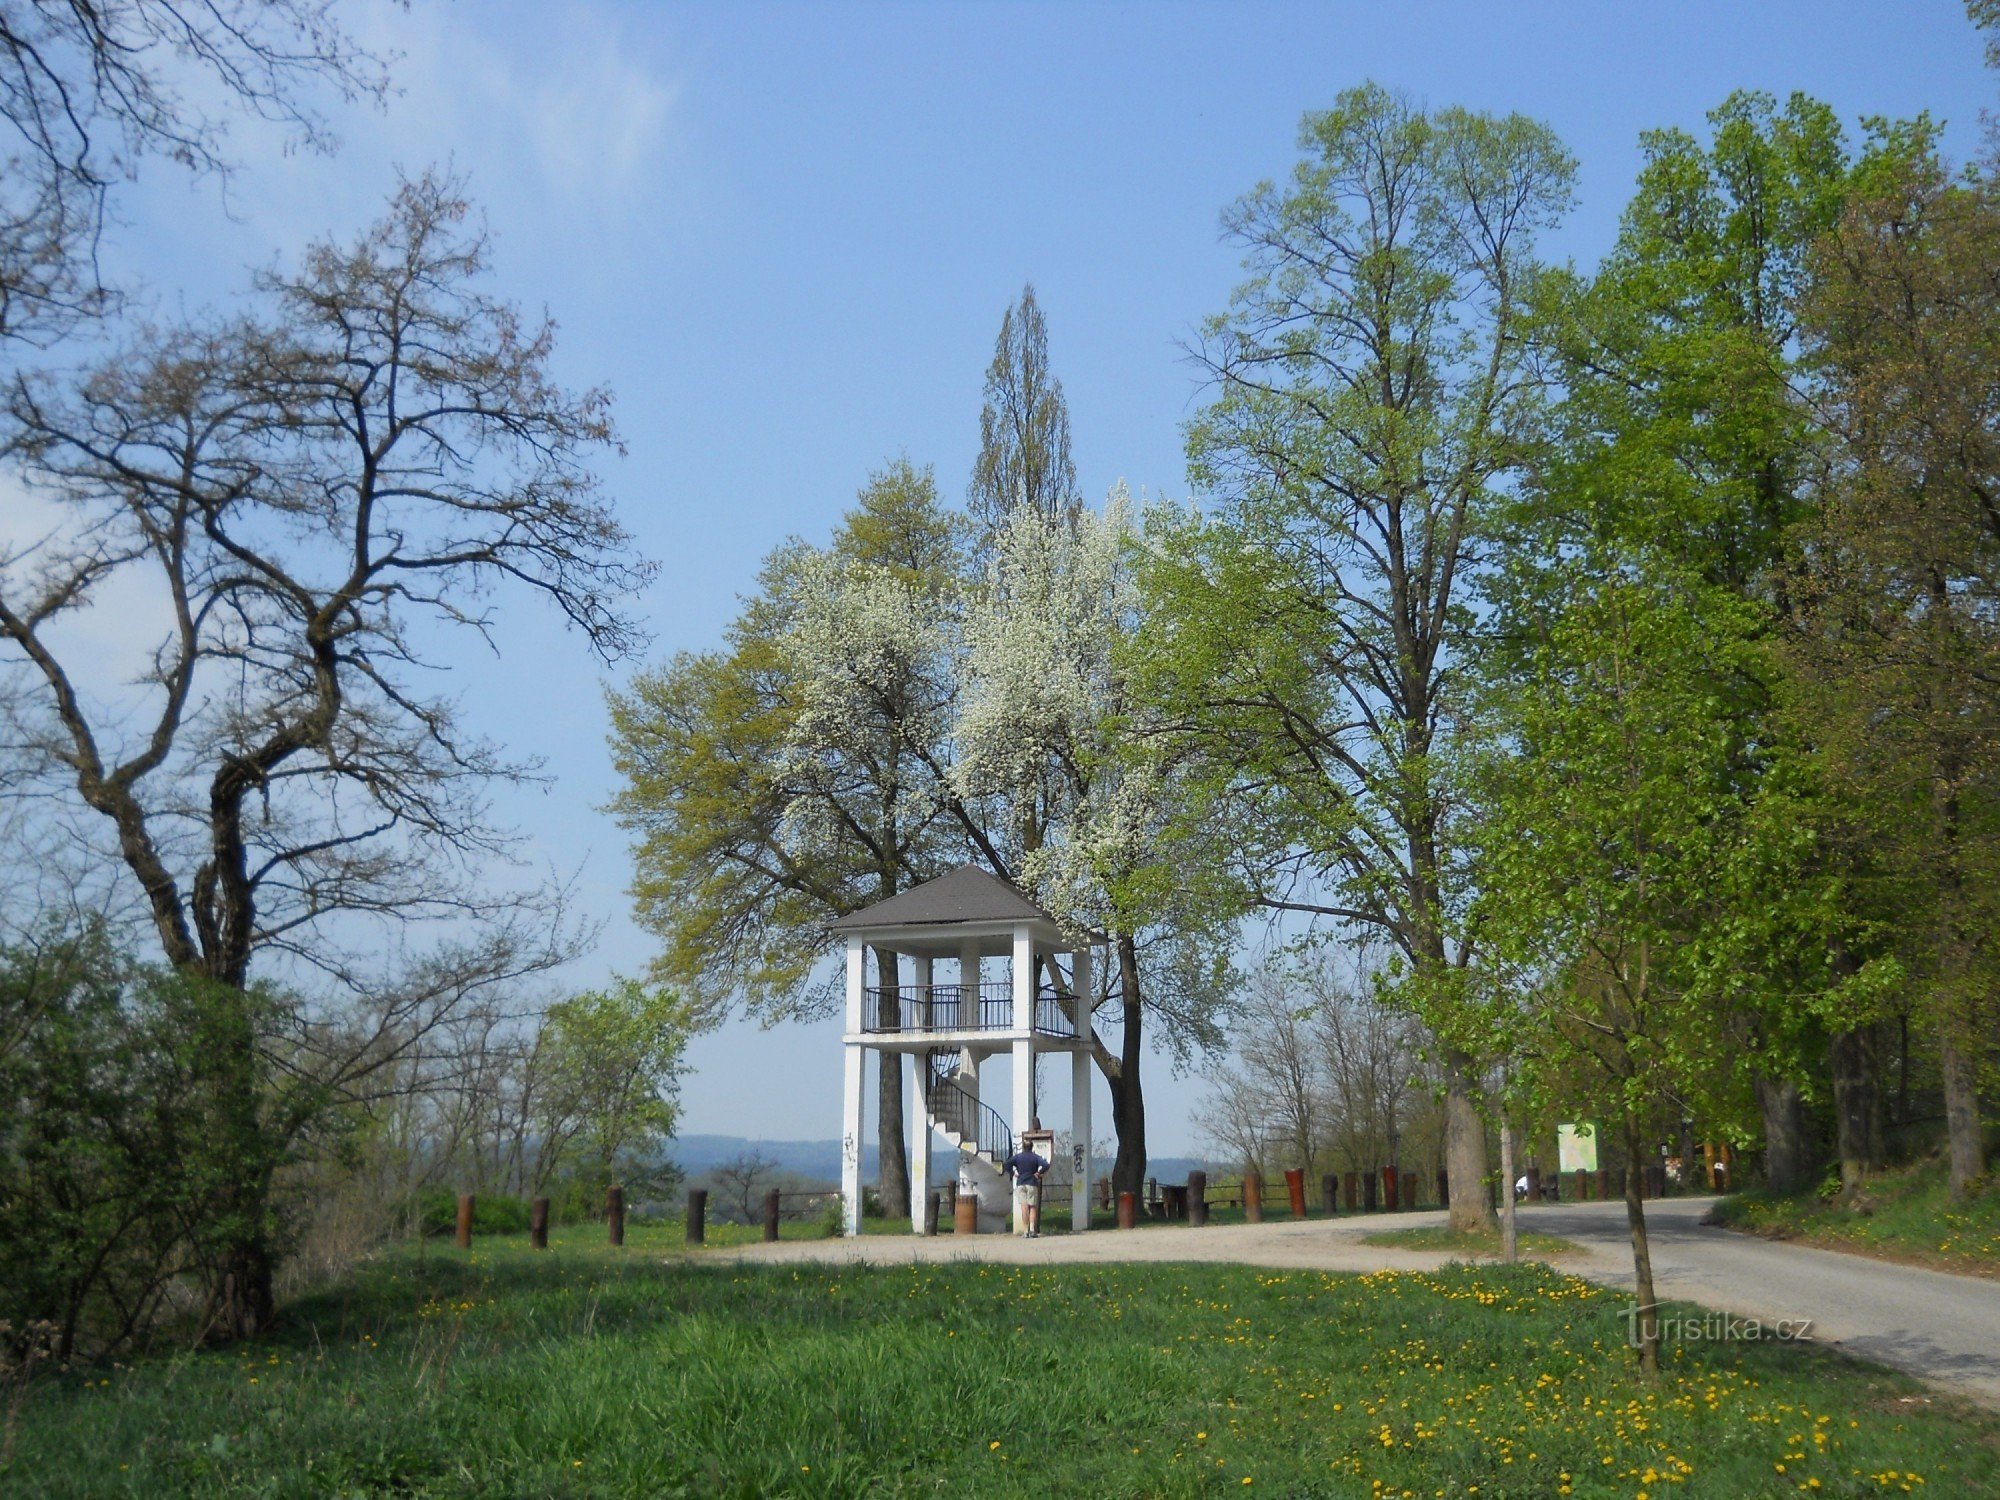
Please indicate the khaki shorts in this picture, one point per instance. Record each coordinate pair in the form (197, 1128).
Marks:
(1024, 1194)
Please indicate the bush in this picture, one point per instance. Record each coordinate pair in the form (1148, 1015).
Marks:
(492, 1213)
(123, 1154)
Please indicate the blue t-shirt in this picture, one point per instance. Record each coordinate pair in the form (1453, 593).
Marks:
(1024, 1166)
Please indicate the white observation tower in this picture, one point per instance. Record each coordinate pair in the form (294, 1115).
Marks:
(1039, 1001)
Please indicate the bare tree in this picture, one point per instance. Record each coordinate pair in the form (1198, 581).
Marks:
(742, 1179)
(88, 88)
(323, 491)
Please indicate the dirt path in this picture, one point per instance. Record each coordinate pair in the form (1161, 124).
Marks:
(1941, 1328)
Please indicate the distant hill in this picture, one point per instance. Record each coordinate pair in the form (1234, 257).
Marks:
(820, 1160)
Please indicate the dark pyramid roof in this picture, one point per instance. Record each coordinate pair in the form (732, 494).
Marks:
(967, 894)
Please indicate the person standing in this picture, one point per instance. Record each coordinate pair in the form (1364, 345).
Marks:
(1026, 1169)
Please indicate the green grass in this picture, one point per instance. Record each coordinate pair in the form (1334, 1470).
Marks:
(1472, 1241)
(1906, 1216)
(588, 1372)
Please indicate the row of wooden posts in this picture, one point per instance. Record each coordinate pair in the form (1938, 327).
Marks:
(614, 1217)
(1363, 1192)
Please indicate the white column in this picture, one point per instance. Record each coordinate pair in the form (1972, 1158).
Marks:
(917, 1113)
(1079, 1147)
(922, 980)
(856, 960)
(850, 1116)
(917, 1107)
(968, 985)
(1024, 1043)
(1080, 1066)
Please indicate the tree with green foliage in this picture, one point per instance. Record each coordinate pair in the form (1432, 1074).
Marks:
(1373, 390)
(1679, 446)
(1627, 887)
(607, 1072)
(1896, 652)
(804, 770)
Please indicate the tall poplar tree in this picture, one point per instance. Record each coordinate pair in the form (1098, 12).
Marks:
(1024, 461)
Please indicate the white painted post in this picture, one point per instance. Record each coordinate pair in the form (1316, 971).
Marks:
(1080, 1065)
(850, 1121)
(916, 1110)
(1024, 1044)
(968, 985)
(923, 994)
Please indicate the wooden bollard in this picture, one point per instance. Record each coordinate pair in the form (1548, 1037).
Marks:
(930, 1214)
(697, 1219)
(1128, 1210)
(1534, 1175)
(614, 1214)
(1604, 1183)
(965, 1214)
(1295, 1189)
(1253, 1199)
(1369, 1185)
(1444, 1188)
(1197, 1191)
(538, 1224)
(1349, 1193)
(1388, 1189)
(774, 1206)
(1582, 1186)
(465, 1221)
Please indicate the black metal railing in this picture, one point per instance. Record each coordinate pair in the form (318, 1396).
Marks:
(925, 1008)
(956, 1109)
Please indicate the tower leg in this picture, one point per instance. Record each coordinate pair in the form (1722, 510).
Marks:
(916, 1110)
(850, 1139)
(1079, 1151)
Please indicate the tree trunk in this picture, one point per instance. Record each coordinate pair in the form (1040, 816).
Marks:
(1464, 1147)
(1964, 1143)
(1508, 1243)
(1128, 1100)
(1787, 1154)
(892, 1180)
(1856, 1110)
(242, 1302)
(1645, 1320)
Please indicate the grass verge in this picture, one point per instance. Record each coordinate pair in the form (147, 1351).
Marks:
(586, 1372)
(1902, 1216)
(1481, 1242)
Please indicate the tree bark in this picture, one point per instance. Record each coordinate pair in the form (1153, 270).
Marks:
(1856, 1106)
(1128, 1100)
(1464, 1147)
(1965, 1144)
(1787, 1153)
(1645, 1329)
(892, 1178)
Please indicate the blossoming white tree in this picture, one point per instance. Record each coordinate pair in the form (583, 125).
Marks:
(1080, 799)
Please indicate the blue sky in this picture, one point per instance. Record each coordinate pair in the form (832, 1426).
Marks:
(784, 235)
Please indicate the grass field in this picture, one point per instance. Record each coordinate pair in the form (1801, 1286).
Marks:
(1908, 1217)
(590, 1372)
(1481, 1242)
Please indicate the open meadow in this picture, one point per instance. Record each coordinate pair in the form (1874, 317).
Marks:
(651, 1371)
